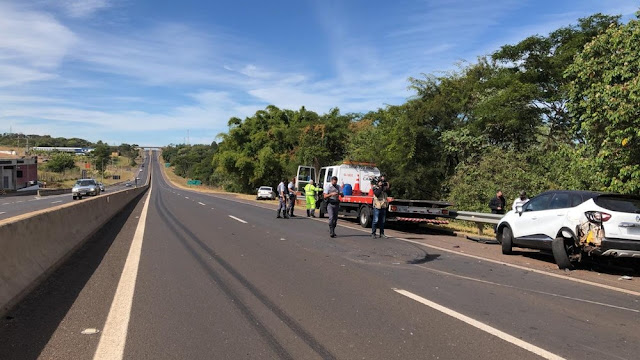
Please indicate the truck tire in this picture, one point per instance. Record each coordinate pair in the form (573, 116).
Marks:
(560, 254)
(507, 241)
(364, 217)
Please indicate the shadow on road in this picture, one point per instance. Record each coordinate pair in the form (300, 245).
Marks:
(27, 327)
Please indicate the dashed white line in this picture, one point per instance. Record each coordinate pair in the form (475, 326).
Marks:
(55, 202)
(480, 325)
(6, 203)
(186, 197)
(18, 202)
(238, 219)
(4, 212)
(202, 203)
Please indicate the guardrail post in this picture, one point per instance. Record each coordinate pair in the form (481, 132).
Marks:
(480, 228)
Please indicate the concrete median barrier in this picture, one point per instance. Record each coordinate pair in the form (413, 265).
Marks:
(33, 245)
(47, 192)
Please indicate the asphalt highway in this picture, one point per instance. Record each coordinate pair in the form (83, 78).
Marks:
(186, 275)
(17, 205)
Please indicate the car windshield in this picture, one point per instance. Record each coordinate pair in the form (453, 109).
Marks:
(85, 183)
(621, 203)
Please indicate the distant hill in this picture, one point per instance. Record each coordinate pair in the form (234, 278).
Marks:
(19, 140)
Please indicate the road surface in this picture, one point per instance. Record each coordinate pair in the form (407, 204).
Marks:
(182, 275)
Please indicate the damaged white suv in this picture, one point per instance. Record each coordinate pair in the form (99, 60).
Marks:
(574, 224)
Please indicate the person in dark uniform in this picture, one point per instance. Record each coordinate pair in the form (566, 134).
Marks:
(332, 193)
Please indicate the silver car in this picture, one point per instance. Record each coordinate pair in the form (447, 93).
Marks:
(85, 187)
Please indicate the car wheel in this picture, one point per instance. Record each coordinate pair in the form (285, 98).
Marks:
(507, 241)
(561, 249)
(365, 217)
(75, 198)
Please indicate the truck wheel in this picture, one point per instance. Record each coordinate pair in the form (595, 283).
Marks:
(365, 217)
(560, 248)
(507, 240)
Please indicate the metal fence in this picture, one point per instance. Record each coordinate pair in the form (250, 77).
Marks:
(479, 218)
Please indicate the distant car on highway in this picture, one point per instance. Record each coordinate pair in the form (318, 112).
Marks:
(101, 186)
(84, 187)
(573, 225)
(265, 192)
(128, 184)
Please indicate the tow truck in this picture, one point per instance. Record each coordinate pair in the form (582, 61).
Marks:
(357, 199)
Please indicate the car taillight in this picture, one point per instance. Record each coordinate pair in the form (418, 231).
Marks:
(597, 216)
(393, 208)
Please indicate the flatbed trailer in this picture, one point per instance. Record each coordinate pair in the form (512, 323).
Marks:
(360, 205)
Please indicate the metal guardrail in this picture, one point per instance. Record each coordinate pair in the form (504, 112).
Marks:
(479, 218)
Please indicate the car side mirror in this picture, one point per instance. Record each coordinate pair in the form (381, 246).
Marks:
(519, 209)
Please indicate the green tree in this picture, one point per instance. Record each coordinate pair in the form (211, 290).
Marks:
(61, 162)
(101, 156)
(605, 101)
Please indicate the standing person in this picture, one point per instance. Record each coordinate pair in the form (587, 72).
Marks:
(497, 204)
(331, 194)
(310, 193)
(521, 200)
(380, 205)
(282, 198)
(292, 196)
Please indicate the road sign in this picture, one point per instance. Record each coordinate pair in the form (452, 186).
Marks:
(194, 182)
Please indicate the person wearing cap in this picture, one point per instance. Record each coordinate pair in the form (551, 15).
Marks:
(331, 194)
(520, 201)
(310, 192)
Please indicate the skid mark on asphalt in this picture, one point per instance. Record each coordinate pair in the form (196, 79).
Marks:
(480, 325)
(292, 324)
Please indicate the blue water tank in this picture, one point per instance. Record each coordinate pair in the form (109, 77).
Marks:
(347, 190)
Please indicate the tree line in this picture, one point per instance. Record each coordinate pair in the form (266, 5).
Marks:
(560, 111)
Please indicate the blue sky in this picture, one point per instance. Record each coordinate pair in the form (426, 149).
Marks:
(146, 71)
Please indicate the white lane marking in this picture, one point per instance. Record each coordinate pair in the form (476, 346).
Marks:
(542, 272)
(6, 203)
(212, 209)
(480, 325)
(4, 212)
(528, 290)
(202, 203)
(186, 197)
(114, 334)
(55, 202)
(235, 218)
(18, 202)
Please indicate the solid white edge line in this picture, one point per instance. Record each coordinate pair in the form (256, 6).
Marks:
(114, 334)
(55, 202)
(480, 325)
(235, 218)
(542, 272)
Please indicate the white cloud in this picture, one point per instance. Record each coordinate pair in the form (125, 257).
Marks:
(82, 8)
(32, 45)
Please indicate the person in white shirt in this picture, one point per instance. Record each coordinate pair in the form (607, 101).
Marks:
(520, 201)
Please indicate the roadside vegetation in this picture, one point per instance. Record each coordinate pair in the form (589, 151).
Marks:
(60, 169)
(560, 111)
